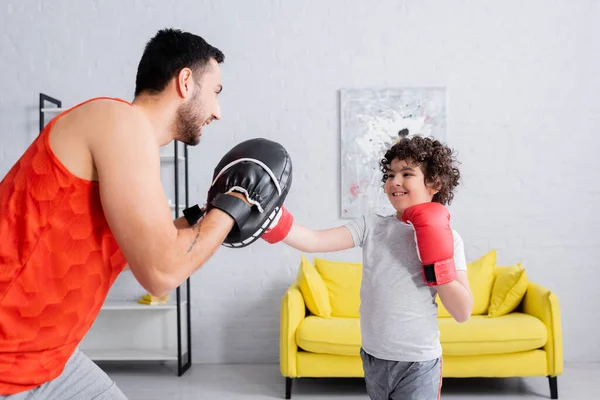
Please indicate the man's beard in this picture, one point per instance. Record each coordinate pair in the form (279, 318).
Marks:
(189, 123)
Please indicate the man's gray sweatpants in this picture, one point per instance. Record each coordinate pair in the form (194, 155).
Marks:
(397, 380)
(81, 379)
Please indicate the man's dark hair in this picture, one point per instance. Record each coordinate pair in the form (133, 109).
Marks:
(436, 160)
(167, 53)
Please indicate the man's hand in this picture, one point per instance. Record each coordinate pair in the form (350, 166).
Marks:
(240, 196)
(181, 223)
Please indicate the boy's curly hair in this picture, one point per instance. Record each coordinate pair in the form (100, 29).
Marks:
(436, 160)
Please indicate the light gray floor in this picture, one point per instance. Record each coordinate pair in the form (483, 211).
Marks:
(245, 382)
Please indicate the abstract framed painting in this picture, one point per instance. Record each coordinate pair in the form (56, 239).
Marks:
(372, 120)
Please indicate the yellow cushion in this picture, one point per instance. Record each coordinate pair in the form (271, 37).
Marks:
(339, 336)
(525, 363)
(479, 335)
(313, 365)
(343, 283)
(509, 288)
(509, 333)
(481, 280)
(313, 289)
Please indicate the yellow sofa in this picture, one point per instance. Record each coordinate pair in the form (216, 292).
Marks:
(514, 329)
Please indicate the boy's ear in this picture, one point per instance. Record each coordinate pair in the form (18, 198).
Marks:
(434, 187)
(432, 191)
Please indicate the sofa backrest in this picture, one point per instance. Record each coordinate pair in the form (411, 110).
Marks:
(332, 288)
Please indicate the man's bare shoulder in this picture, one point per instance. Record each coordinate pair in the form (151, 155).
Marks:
(96, 126)
(111, 113)
(118, 133)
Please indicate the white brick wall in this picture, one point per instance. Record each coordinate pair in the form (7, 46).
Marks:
(524, 112)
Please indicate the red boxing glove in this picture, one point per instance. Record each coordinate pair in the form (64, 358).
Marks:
(280, 227)
(435, 243)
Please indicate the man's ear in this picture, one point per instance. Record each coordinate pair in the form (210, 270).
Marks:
(184, 82)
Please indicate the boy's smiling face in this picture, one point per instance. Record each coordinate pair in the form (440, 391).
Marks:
(405, 185)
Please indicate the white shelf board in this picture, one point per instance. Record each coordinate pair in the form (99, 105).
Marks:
(168, 157)
(134, 305)
(53, 110)
(130, 354)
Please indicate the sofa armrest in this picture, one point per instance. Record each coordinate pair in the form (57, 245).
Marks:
(543, 304)
(293, 311)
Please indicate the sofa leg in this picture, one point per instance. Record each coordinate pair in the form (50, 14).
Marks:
(288, 388)
(553, 387)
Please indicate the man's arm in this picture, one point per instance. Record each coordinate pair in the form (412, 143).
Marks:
(180, 223)
(127, 159)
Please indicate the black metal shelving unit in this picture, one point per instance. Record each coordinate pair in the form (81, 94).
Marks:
(184, 359)
(43, 110)
(183, 301)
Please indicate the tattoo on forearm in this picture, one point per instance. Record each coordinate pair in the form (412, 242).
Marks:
(196, 229)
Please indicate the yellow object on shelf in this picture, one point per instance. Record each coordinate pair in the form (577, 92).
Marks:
(153, 300)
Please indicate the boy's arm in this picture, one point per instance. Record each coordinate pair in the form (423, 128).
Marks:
(456, 297)
(442, 254)
(319, 241)
(305, 239)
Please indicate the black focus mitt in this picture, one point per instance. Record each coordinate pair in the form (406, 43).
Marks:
(261, 169)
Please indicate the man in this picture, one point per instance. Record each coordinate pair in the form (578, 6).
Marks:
(86, 199)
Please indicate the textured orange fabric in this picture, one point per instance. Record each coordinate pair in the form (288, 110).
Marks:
(58, 259)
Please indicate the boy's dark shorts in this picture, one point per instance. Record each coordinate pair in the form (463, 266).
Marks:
(400, 380)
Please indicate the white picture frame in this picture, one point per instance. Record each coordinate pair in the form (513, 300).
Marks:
(371, 120)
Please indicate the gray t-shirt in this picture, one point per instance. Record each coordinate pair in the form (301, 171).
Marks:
(398, 312)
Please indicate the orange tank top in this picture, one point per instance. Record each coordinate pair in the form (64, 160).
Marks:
(58, 260)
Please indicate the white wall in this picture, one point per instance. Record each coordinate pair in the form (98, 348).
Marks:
(523, 112)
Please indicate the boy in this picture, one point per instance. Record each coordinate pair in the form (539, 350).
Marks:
(408, 257)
